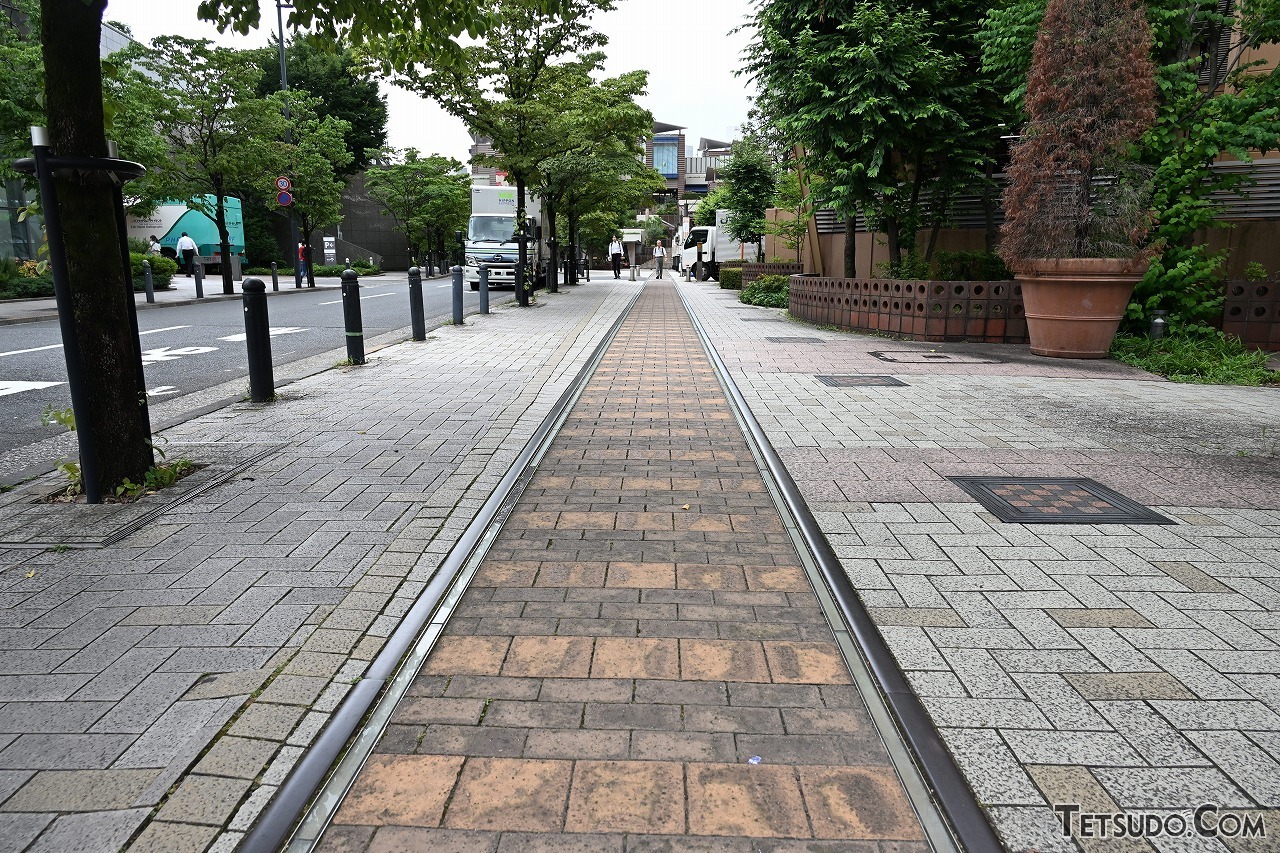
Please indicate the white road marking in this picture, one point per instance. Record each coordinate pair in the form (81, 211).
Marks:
(362, 297)
(9, 386)
(33, 349)
(161, 390)
(283, 330)
(165, 329)
(151, 356)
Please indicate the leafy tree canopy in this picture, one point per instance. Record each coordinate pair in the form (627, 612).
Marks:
(428, 198)
(341, 87)
(750, 182)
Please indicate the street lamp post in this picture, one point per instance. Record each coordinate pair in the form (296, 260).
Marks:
(294, 242)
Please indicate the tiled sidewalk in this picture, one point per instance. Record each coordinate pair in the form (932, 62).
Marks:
(640, 663)
(160, 688)
(1129, 668)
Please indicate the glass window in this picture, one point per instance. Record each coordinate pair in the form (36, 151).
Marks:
(695, 237)
(499, 229)
(664, 158)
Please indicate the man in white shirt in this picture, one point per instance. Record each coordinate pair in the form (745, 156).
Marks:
(187, 247)
(615, 254)
(659, 255)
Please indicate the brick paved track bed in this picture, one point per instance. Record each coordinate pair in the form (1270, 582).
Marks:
(640, 663)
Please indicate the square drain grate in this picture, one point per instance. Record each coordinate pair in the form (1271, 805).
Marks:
(915, 357)
(1056, 500)
(860, 380)
(796, 340)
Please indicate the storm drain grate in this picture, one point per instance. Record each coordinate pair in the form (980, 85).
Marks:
(860, 380)
(795, 340)
(1056, 500)
(917, 357)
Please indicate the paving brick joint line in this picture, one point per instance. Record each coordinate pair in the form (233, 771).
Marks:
(640, 658)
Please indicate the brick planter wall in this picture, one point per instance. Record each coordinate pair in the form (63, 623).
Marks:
(1252, 313)
(977, 311)
(751, 272)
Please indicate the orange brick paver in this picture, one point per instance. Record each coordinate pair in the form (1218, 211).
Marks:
(640, 663)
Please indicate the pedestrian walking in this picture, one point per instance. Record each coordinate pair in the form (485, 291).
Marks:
(187, 247)
(659, 255)
(153, 245)
(615, 254)
(302, 259)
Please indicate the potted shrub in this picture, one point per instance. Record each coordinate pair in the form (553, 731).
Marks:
(1077, 204)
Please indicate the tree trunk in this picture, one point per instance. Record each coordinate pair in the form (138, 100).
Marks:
(573, 248)
(522, 256)
(224, 240)
(549, 229)
(891, 239)
(933, 239)
(101, 288)
(989, 208)
(850, 248)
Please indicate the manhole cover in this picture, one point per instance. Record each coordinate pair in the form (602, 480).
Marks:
(796, 340)
(859, 381)
(915, 357)
(1055, 500)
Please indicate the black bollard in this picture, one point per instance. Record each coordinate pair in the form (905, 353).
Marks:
(457, 296)
(257, 340)
(553, 267)
(351, 316)
(199, 281)
(416, 315)
(275, 277)
(484, 289)
(146, 279)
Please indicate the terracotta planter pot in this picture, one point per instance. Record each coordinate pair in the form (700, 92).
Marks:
(1074, 305)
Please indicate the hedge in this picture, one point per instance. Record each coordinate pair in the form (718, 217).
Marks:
(768, 290)
(731, 278)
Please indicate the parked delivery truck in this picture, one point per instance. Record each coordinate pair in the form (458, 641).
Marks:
(717, 246)
(491, 237)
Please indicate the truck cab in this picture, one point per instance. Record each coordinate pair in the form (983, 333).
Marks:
(706, 235)
(491, 236)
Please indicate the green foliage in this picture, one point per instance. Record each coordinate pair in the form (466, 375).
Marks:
(336, 270)
(912, 267)
(37, 287)
(1191, 356)
(157, 477)
(970, 266)
(1194, 124)
(338, 85)
(888, 101)
(260, 244)
(768, 290)
(1254, 271)
(70, 470)
(730, 278)
(162, 271)
(654, 230)
(715, 200)
(750, 183)
(791, 198)
(428, 198)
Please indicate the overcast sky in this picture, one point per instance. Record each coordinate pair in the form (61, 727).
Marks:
(685, 45)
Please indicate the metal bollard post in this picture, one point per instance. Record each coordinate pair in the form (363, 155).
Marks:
(146, 279)
(416, 314)
(1159, 325)
(484, 289)
(257, 339)
(457, 296)
(351, 316)
(275, 277)
(199, 281)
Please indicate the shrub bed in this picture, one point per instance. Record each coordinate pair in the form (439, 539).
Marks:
(769, 291)
(1212, 359)
(162, 271)
(731, 278)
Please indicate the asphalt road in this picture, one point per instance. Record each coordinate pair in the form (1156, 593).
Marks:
(189, 348)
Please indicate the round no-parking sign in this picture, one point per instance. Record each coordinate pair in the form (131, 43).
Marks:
(285, 199)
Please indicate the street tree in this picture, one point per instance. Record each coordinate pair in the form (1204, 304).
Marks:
(339, 86)
(223, 140)
(791, 197)
(496, 84)
(750, 183)
(428, 198)
(313, 160)
(705, 213)
(887, 101)
(70, 35)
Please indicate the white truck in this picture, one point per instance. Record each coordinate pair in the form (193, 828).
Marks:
(717, 246)
(491, 236)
